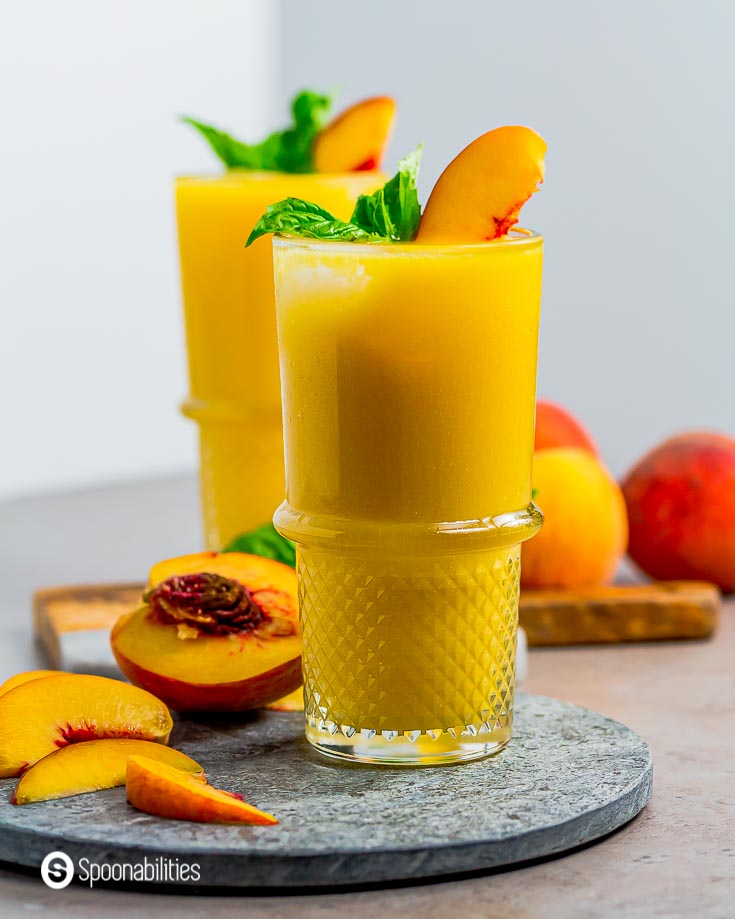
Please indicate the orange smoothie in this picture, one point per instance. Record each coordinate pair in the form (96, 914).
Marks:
(408, 374)
(234, 393)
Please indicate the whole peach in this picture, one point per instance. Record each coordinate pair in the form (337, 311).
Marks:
(681, 504)
(556, 427)
(585, 529)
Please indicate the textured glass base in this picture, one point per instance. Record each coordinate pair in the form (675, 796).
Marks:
(407, 749)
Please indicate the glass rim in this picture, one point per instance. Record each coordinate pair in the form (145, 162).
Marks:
(515, 238)
(263, 175)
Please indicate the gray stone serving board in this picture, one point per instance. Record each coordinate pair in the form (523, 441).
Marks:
(569, 776)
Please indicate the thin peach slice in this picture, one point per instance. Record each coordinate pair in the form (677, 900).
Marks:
(92, 765)
(479, 195)
(26, 677)
(293, 702)
(42, 715)
(164, 791)
(217, 632)
(356, 140)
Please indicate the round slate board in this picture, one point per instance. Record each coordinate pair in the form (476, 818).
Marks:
(569, 776)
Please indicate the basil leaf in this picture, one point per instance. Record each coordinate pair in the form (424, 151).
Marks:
(267, 542)
(393, 212)
(302, 218)
(290, 150)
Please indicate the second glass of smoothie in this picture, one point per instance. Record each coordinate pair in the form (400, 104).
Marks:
(234, 390)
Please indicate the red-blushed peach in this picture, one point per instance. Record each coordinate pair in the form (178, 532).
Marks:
(585, 527)
(556, 427)
(681, 506)
(164, 791)
(480, 194)
(217, 632)
(356, 139)
(42, 715)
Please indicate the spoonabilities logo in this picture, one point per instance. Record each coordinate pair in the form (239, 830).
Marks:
(57, 870)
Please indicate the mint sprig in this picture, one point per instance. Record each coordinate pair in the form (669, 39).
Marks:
(267, 542)
(391, 213)
(290, 150)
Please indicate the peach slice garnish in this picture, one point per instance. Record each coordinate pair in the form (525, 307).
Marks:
(26, 677)
(42, 715)
(356, 139)
(481, 192)
(93, 765)
(198, 656)
(164, 791)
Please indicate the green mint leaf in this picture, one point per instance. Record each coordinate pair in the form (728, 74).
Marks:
(302, 218)
(290, 150)
(393, 212)
(233, 153)
(267, 542)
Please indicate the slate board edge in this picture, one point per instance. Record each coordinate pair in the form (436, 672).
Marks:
(349, 868)
(304, 868)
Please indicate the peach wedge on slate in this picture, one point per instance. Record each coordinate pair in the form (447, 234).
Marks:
(91, 765)
(164, 791)
(43, 715)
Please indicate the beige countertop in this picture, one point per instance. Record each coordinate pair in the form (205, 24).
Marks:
(676, 859)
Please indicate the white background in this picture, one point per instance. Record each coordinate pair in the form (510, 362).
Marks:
(635, 100)
(91, 346)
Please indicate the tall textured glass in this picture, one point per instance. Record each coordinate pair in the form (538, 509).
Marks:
(408, 376)
(234, 389)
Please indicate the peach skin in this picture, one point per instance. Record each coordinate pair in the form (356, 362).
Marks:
(681, 503)
(556, 427)
(585, 524)
(163, 791)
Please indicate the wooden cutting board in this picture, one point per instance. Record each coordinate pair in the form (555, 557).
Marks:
(662, 611)
(73, 623)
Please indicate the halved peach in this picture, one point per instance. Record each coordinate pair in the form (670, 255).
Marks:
(26, 677)
(42, 715)
(217, 632)
(293, 702)
(92, 765)
(356, 139)
(481, 192)
(164, 791)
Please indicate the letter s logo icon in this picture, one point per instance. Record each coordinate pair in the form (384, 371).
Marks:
(57, 870)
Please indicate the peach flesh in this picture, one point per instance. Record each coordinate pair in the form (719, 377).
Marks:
(42, 715)
(158, 789)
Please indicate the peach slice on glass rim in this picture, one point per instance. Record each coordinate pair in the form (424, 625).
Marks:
(217, 632)
(479, 195)
(93, 765)
(26, 677)
(159, 789)
(42, 715)
(355, 140)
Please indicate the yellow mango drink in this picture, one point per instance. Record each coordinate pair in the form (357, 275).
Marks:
(234, 388)
(408, 373)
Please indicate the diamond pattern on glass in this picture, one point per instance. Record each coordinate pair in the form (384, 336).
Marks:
(409, 646)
